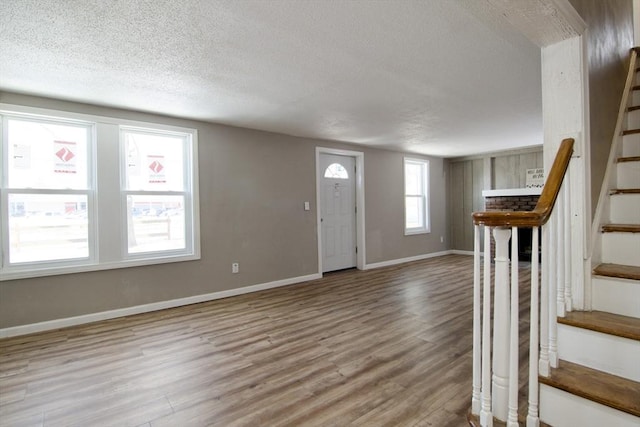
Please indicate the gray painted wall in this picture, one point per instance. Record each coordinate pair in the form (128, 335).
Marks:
(468, 177)
(609, 39)
(252, 188)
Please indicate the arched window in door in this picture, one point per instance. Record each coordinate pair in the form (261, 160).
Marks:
(336, 171)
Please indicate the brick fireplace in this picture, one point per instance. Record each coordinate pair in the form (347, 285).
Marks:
(517, 199)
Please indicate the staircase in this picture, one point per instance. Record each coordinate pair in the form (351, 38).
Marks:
(597, 381)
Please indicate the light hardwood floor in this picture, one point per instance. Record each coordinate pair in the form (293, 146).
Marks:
(384, 347)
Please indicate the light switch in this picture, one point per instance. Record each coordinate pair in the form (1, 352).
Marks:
(306, 206)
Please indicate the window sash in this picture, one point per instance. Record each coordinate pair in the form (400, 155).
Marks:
(421, 195)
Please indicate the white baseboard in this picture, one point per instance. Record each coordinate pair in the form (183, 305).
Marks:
(145, 308)
(403, 260)
(459, 252)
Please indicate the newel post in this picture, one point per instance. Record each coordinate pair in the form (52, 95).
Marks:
(501, 317)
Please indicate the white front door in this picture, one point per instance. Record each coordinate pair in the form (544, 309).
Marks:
(338, 211)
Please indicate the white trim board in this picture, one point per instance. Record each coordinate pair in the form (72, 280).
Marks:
(360, 205)
(460, 252)
(408, 259)
(146, 308)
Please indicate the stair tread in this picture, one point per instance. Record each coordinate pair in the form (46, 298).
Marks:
(625, 191)
(610, 390)
(618, 270)
(633, 108)
(630, 131)
(629, 159)
(622, 228)
(607, 323)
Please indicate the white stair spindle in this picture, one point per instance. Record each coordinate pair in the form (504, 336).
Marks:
(553, 284)
(486, 417)
(512, 418)
(533, 419)
(568, 297)
(500, 366)
(560, 258)
(544, 306)
(475, 393)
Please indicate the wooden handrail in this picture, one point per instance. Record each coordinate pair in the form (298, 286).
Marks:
(540, 215)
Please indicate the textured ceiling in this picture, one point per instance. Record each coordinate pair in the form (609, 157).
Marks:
(440, 77)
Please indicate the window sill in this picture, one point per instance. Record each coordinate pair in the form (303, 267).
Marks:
(32, 271)
(414, 232)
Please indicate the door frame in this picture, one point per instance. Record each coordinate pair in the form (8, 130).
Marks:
(360, 228)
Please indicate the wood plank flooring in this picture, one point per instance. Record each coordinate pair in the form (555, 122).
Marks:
(384, 347)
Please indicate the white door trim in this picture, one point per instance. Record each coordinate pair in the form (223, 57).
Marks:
(360, 228)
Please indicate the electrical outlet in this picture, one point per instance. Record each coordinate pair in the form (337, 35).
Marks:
(441, 239)
(235, 267)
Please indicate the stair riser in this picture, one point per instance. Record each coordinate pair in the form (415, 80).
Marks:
(618, 296)
(635, 96)
(621, 248)
(633, 119)
(628, 175)
(561, 409)
(631, 145)
(607, 353)
(625, 209)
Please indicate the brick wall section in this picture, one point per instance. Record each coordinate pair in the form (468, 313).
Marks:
(509, 203)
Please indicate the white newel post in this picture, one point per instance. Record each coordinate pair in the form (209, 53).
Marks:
(501, 314)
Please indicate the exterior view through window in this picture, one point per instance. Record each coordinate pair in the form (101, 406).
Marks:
(155, 191)
(48, 190)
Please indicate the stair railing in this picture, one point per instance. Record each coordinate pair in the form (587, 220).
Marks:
(495, 364)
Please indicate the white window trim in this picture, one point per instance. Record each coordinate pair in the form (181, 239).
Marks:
(425, 197)
(105, 256)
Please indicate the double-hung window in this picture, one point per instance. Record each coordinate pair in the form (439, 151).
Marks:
(48, 192)
(156, 192)
(416, 196)
(86, 193)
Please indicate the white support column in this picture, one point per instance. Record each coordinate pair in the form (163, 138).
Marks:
(544, 305)
(512, 418)
(477, 357)
(532, 415)
(500, 383)
(486, 416)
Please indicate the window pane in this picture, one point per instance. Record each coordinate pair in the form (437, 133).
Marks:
(413, 178)
(44, 227)
(155, 223)
(154, 162)
(337, 171)
(47, 155)
(414, 212)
